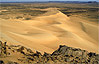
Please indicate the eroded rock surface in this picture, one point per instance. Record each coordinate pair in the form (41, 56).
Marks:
(63, 55)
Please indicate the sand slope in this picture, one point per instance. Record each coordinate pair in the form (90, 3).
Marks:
(46, 33)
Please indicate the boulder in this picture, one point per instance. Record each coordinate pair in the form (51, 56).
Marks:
(1, 62)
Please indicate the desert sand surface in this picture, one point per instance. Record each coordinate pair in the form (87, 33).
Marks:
(45, 33)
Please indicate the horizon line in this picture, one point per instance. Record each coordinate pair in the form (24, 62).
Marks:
(52, 1)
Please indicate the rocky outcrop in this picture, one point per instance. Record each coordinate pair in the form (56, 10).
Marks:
(73, 55)
(63, 55)
(3, 49)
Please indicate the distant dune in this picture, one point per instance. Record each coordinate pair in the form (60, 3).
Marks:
(46, 33)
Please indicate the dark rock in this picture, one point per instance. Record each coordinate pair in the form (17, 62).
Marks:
(70, 55)
(38, 53)
(1, 62)
(20, 60)
(91, 54)
(67, 55)
(46, 54)
(20, 49)
(29, 50)
(30, 58)
(10, 62)
(15, 63)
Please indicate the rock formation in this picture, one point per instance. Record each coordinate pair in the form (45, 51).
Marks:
(63, 55)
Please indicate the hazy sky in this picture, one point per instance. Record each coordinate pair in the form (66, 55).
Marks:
(43, 0)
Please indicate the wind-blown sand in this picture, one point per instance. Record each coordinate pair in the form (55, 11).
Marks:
(46, 33)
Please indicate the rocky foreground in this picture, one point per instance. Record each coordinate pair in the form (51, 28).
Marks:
(17, 54)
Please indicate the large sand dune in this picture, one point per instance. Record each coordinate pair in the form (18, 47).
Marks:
(46, 33)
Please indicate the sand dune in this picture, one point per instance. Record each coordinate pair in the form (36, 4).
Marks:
(46, 33)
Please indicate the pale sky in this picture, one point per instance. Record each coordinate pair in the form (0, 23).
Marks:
(41, 0)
